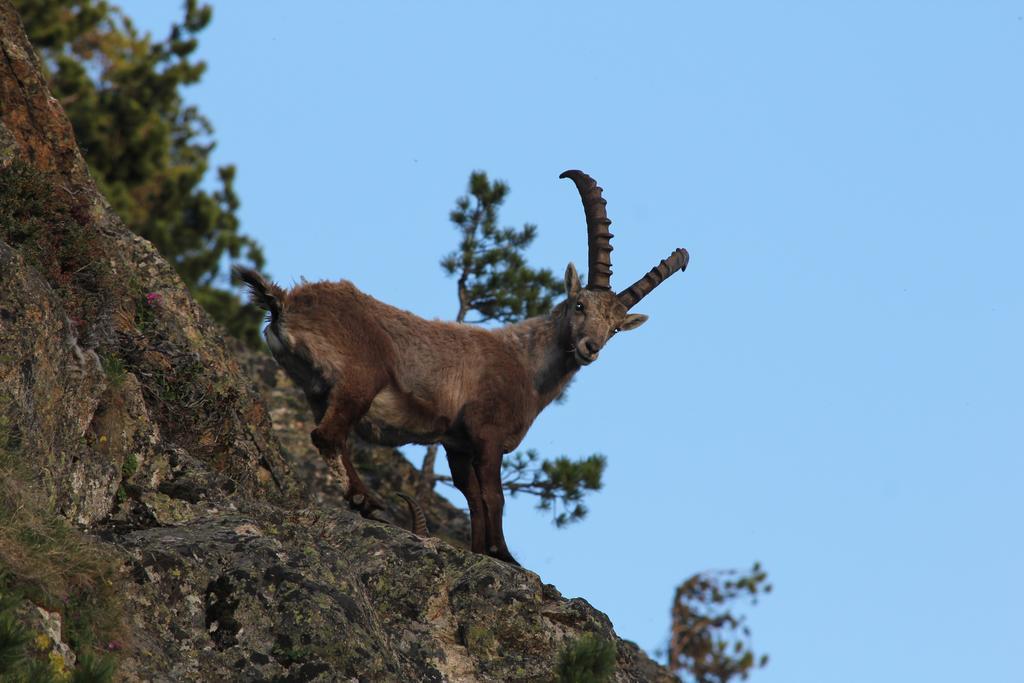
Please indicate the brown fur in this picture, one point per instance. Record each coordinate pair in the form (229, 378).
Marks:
(397, 378)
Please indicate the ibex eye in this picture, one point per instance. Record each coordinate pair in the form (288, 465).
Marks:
(579, 306)
(615, 330)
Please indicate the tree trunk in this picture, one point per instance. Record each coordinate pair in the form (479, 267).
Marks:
(426, 482)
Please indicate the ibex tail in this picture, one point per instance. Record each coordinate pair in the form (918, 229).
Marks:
(264, 294)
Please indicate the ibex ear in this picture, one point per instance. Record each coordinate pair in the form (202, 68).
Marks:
(572, 281)
(632, 321)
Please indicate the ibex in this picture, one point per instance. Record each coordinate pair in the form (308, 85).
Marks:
(396, 378)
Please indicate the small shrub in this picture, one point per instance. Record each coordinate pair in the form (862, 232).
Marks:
(590, 659)
(131, 464)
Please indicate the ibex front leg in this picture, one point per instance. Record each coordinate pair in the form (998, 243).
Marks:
(464, 478)
(344, 410)
(488, 473)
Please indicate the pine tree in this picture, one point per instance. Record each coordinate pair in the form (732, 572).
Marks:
(495, 284)
(709, 643)
(494, 281)
(147, 149)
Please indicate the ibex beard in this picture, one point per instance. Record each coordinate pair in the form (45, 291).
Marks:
(395, 378)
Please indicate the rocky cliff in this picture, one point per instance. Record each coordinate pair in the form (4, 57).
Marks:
(154, 513)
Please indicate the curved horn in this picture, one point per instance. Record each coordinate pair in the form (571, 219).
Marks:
(599, 265)
(419, 520)
(677, 260)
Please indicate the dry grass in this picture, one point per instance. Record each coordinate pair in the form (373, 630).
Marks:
(46, 560)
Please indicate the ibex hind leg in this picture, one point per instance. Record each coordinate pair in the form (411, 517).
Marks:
(335, 409)
(346, 404)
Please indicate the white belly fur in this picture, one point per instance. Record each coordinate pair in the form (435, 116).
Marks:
(391, 410)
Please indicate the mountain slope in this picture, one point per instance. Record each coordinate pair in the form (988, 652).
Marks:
(148, 509)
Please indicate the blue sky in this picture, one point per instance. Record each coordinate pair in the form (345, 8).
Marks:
(834, 387)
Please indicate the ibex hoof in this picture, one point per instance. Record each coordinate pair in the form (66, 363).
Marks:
(364, 504)
(318, 440)
(503, 555)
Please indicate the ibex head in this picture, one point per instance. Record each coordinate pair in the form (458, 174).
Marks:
(595, 312)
